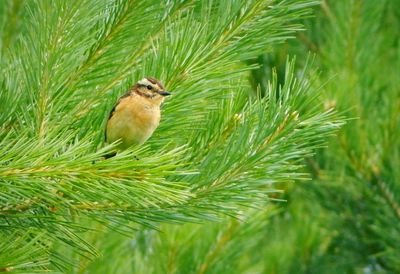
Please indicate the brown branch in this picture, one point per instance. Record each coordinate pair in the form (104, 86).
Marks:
(309, 44)
(221, 243)
(388, 195)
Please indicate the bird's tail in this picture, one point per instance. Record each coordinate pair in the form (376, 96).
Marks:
(109, 155)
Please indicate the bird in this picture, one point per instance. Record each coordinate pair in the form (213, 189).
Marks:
(136, 114)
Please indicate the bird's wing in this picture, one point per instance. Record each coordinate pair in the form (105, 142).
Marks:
(113, 110)
(119, 100)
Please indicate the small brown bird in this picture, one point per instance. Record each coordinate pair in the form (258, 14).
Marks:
(136, 114)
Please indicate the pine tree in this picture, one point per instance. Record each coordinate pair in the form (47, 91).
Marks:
(345, 220)
(231, 137)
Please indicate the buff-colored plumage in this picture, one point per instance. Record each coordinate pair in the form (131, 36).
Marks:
(137, 114)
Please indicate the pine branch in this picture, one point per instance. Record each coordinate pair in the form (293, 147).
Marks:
(53, 177)
(21, 252)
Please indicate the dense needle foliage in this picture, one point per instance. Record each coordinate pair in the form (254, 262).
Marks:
(244, 122)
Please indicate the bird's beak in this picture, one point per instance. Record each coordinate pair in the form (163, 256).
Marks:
(164, 93)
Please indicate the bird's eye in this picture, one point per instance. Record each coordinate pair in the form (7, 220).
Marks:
(149, 87)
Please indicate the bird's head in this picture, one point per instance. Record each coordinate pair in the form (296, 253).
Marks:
(152, 89)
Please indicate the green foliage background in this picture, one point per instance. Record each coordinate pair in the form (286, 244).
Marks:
(262, 163)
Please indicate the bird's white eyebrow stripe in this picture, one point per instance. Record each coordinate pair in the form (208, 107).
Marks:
(144, 82)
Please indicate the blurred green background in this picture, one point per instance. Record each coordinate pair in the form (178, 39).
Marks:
(345, 218)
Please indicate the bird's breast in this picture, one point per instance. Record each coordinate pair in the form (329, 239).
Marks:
(146, 116)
